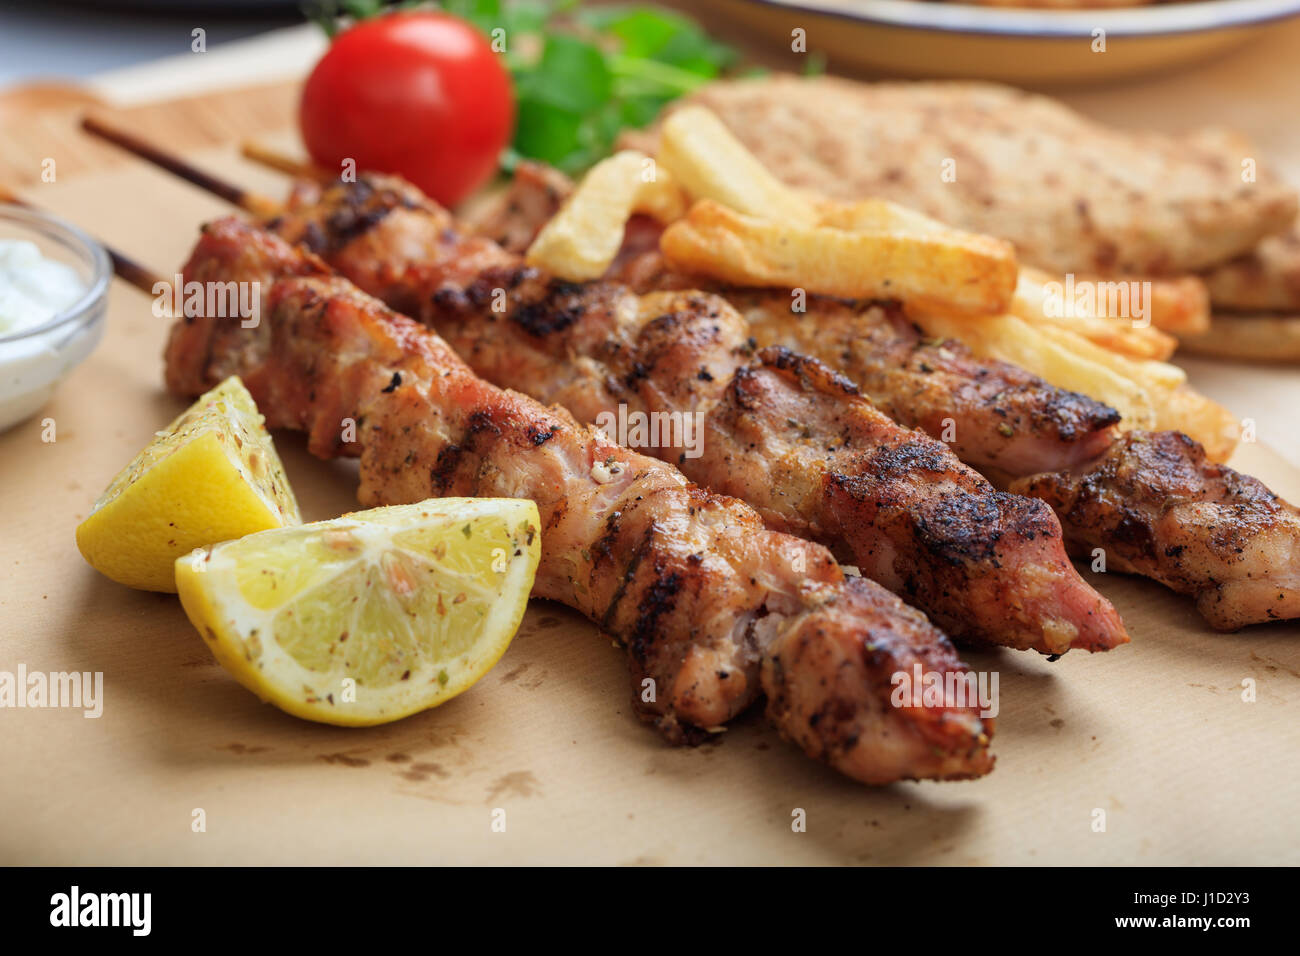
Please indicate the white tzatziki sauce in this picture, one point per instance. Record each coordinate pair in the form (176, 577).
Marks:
(33, 290)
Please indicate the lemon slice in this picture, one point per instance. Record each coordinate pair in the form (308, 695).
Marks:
(372, 616)
(212, 475)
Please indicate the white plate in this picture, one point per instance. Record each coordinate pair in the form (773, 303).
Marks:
(943, 39)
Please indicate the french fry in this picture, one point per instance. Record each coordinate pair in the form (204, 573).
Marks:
(1180, 306)
(952, 270)
(1041, 298)
(877, 215)
(710, 163)
(1176, 405)
(1148, 372)
(583, 238)
(1034, 293)
(748, 228)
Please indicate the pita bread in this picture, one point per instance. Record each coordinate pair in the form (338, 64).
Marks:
(1256, 338)
(1266, 279)
(1075, 196)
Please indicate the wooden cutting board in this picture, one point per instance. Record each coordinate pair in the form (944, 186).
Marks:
(1155, 735)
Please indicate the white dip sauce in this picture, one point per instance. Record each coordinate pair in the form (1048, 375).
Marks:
(33, 290)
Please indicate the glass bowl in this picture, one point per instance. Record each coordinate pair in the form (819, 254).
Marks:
(34, 360)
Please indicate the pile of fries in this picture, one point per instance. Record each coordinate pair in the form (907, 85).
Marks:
(728, 219)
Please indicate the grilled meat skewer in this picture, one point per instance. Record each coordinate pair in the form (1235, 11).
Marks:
(1051, 609)
(1159, 507)
(778, 430)
(712, 607)
(1150, 500)
(1000, 419)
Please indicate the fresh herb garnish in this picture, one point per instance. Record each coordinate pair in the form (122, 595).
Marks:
(583, 75)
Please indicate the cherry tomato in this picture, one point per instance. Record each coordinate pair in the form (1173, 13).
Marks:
(419, 94)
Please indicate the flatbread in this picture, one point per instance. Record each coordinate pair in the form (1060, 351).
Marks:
(1265, 279)
(1072, 194)
(1256, 338)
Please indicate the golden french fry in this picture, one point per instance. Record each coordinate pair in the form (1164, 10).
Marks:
(1060, 359)
(583, 238)
(1180, 306)
(1112, 335)
(710, 163)
(953, 270)
(1177, 406)
(1147, 372)
(877, 215)
(1040, 298)
(749, 228)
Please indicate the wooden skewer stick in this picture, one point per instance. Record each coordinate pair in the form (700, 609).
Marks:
(274, 159)
(255, 203)
(128, 270)
(124, 267)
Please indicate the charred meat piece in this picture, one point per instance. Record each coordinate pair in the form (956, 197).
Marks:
(995, 416)
(793, 439)
(1156, 506)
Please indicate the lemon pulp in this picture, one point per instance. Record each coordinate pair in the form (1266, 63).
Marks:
(369, 617)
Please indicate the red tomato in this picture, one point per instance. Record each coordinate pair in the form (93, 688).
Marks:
(418, 94)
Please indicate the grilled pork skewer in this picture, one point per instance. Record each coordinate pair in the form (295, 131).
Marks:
(713, 608)
(1002, 420)
(998, 418)
(1150, 500)
(990, 567)
(1159, 507)
(779, 430)
(816, 693)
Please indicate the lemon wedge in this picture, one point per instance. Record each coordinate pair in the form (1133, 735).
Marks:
(370, 617)
(212, 475)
